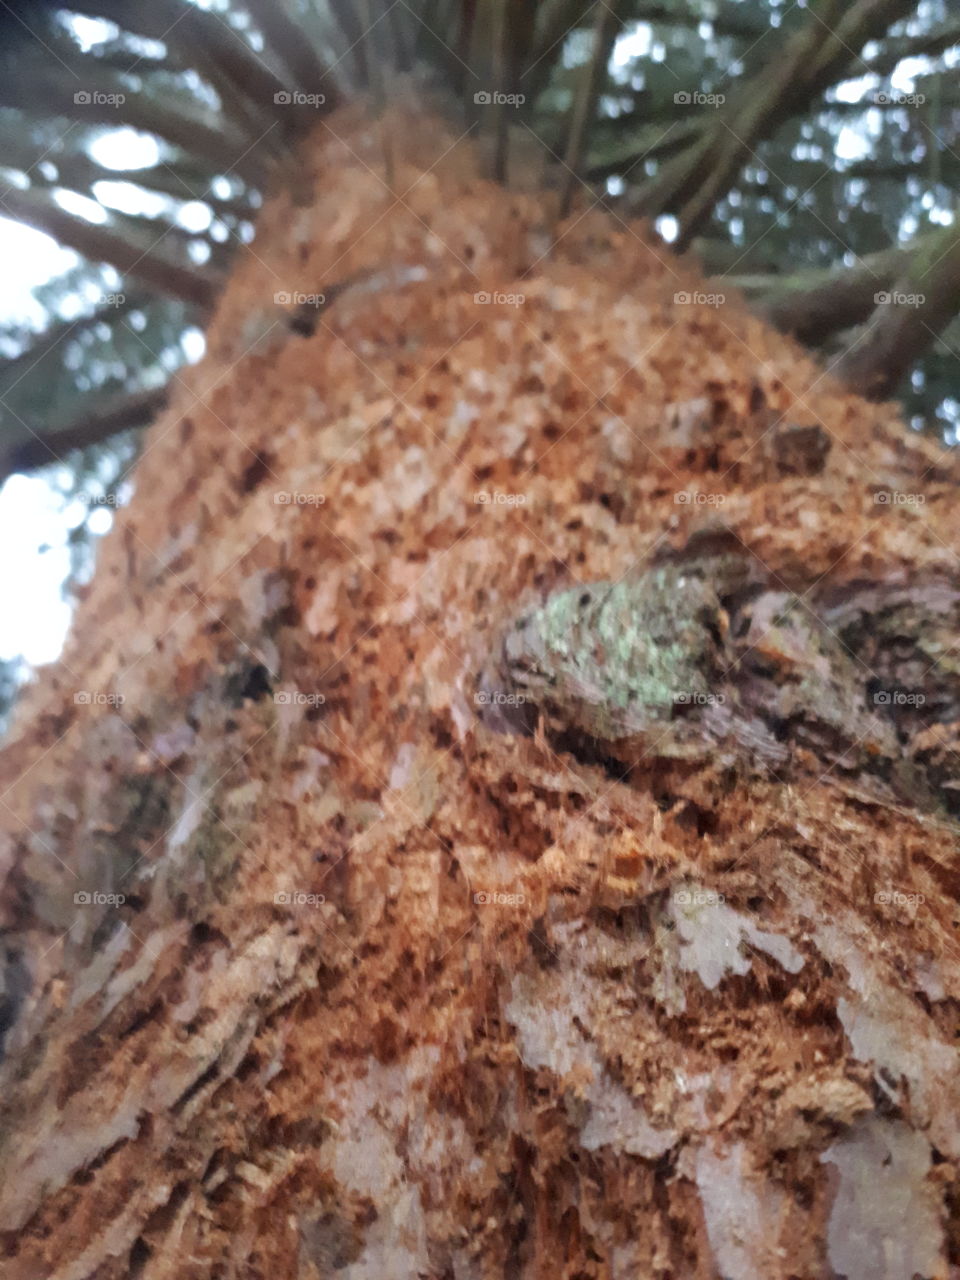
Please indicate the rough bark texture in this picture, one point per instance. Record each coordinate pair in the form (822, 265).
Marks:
(394, 991)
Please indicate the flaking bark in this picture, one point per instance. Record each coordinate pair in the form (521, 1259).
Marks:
(391, 991)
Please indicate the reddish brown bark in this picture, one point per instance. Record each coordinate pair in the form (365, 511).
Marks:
(501, 1023)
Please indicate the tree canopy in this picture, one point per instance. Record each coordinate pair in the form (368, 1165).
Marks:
(808, 153)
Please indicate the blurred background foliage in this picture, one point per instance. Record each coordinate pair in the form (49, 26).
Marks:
(808, 153)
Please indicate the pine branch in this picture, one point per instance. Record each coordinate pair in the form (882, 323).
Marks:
(605, 33)
(815, 57)
(93, 99)
(812, 305)
(285, 39)
(14, 368)
(25, 450)
(907, 320)
(930, 45)
(103, 244)
(347, 17)
(197, 37)
(181, 179)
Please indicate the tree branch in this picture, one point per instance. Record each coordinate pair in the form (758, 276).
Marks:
(198, 38)
(22, 450)
(101, 243)
(923, 302)
(16, 367)
(283, 36)
(812, 305)
(930, 44)
(606, 29)
(93, 99)
(811, 60)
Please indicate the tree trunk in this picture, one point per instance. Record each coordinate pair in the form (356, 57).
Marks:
(318, 964)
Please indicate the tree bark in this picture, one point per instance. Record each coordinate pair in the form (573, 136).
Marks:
(322, 957)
